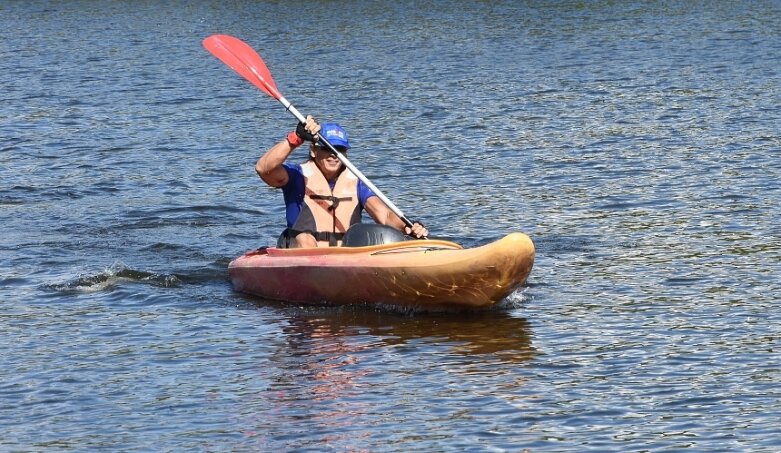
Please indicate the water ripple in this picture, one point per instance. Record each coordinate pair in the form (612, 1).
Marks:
(636, 144)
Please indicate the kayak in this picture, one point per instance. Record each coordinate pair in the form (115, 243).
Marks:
(419, 274)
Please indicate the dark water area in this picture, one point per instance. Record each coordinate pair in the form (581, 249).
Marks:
(636, 143)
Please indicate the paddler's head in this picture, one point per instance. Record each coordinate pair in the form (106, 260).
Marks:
(326, 159)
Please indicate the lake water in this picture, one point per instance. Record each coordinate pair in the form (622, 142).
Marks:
(637, 144)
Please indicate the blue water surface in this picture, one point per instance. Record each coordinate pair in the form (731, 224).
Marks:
(637, 143)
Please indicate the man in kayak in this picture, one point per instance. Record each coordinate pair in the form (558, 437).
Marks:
(323, 200)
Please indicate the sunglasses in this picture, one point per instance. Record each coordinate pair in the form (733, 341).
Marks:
(324, 149)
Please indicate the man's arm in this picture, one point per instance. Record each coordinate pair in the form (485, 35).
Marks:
(384, 216)
(269, 166)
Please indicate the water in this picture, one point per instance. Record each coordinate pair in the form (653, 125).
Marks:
(636, 143)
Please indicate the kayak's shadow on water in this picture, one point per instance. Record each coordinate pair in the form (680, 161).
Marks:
(492, 332)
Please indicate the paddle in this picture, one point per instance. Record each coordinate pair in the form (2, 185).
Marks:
(243, 59)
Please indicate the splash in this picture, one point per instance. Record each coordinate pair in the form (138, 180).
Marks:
(516, 299)
(114, 275)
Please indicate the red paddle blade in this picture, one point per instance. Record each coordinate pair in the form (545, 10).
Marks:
(243, 59)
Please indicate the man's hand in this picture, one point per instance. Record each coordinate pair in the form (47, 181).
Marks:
(417, 231)
(309, 130)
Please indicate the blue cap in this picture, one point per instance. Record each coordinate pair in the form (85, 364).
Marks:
(335, 134)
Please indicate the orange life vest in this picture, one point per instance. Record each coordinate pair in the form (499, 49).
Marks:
(327, 213)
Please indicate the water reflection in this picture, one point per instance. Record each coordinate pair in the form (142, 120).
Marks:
(338, 329)
(335, 371)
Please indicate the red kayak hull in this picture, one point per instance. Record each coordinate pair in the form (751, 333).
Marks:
(423, 274)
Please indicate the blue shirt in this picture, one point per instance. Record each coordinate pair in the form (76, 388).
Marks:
(294, 192)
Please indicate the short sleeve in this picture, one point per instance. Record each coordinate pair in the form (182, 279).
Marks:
(364, 193)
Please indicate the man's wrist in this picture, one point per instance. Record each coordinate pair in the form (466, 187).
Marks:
(294, 140)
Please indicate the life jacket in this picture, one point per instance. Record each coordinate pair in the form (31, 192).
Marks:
(327, 213)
